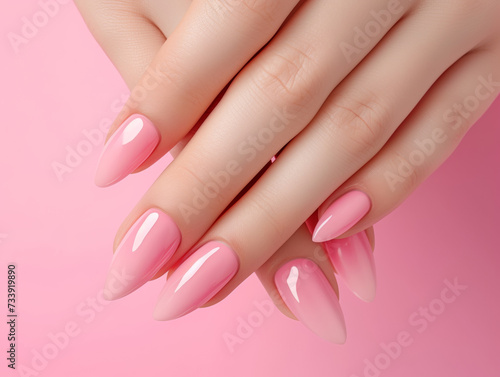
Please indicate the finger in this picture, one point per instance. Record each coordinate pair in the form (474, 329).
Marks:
(166, 15)
(128, 38)
(321, 314)
(168, 267)
(131, 35)
(421, 144)
(215, 179)
(344, 135)
(131, 40)
(353, 260)
(169, 96)
(300, 280)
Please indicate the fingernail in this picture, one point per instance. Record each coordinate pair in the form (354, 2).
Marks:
(353, 260)
(131, 144)
(308, 294)
(146, 247)
(196, 281)
(342, 215)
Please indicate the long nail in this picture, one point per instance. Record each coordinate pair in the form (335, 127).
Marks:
(146, 247)
(342, 215)
(308, 294)
(126, 150)
(353, 260)
(199, 278)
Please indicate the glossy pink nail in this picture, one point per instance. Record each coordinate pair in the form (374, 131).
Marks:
(342, 215)
(197, 280)
(146, 247)
(353, 260)
(308, 294)
(126, 150)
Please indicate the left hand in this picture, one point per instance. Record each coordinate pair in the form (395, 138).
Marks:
(368, 131)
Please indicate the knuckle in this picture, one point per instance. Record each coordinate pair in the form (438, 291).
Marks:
(262, 204)
(455, 135)
(202, 185)
(466, 7)
(171, 73)
(360, 123)
(251, 12)
(262, 9)
(470, 15)
(189, 175)
(408, 175)
(287, 77)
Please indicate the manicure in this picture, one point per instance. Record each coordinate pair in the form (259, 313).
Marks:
(353, 260)
(309, 295)
(146, 247)
(126, 150)
(342, 215)
(199, 278)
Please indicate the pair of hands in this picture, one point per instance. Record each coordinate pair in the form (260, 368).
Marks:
(359, 101)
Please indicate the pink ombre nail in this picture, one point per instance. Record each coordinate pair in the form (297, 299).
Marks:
(197, 280)
(146, 247)
(342, 215)
(126, 150)
(353, 260)
(308, 294)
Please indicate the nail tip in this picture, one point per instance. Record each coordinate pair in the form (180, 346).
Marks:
(168, 310)
(110, 298)
(101, 184)
(100, 180)
(113, 294)
(365, 292)
(161, 315)
(108, 295)
(368, 292)
(316, 236)
(162, 311)
(316, 239)
(370, 297)
(104, 182)
(120, 295)
(321, 235)
(319, 238)
(373, 295)
(338, 336)
(340, 341)
(163, 318)
(157, 316)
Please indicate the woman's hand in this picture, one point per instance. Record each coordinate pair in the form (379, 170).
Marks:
(368, 98)
(352, 257)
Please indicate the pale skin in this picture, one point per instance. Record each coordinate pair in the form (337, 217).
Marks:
(354, 109)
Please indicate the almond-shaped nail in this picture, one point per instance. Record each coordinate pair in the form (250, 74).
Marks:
(342, 215)
(353, 260)
(131, 144)
(310, 297)
(146, 247)
(199, 278)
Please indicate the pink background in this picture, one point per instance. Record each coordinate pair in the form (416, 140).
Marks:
(59, 232)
